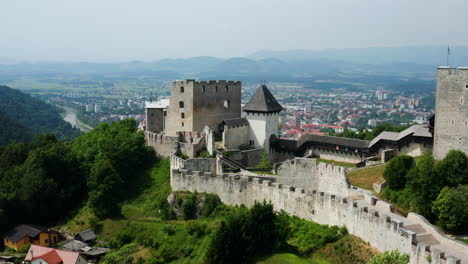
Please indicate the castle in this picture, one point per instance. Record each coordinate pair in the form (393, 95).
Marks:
(301, 185)
(207, 115)
(198, 112)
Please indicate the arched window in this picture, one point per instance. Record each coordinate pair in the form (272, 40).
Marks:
(227, 104)
(181, 104)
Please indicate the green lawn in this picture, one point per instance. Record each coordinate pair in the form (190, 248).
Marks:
(288, 258)
(366, 177)
(338, 163)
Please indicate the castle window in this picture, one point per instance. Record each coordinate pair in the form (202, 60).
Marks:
(466, 122)
(452, 122)
(203, 88)
(181, 89)
(466, 86)
(216, 88)
(227, 88)
(182, 115)
(181, 104)
(182, 123)
(461, 100)
(152, 114)
(227, 104)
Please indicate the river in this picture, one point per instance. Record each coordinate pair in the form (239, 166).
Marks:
(70, 117)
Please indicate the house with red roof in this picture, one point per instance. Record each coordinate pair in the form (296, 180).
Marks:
(46, 255)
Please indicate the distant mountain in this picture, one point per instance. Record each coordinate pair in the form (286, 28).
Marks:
(431, 55)
(23, 116)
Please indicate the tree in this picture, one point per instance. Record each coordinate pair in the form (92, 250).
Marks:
(390, 257)
(396, 171)
(264, 162)
(245, 234)
(105, 186)
(451, 208)
(189, 207)
(454, 168)
(426, 183)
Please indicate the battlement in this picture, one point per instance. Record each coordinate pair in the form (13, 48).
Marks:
(452, 71)
(330, 168)
(221, 82)
(364, 215)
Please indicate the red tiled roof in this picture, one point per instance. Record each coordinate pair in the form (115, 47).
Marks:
(50, 257)
(68, 257)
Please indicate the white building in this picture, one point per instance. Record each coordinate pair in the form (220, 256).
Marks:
(89, 108)
(262, 113)
(97, 108)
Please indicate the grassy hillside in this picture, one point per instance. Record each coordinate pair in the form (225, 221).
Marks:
(24, 116)
(141, 235)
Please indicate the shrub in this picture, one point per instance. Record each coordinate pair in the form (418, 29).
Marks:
(211, 202)
(451, 209)
(189, 207)
(244, 234)
(454, 168)
(390, 257)
(196, 228)
(396, 171)
(168, 230)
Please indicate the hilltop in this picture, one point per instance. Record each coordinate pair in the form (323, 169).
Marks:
(23, 116)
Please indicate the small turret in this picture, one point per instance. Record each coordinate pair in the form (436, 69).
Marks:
(262, 112)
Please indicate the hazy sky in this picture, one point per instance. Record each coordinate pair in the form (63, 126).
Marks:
(118, 30)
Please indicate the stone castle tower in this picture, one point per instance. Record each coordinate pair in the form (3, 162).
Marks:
(451, 119)
(262, 113)
(196, 104)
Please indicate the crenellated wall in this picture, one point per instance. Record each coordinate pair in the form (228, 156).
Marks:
(186, 143)
(306, 173)
(364, 215)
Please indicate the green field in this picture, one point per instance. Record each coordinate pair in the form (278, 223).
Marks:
(338, 163)
(366, 177)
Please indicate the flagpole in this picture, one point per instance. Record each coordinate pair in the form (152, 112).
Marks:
(448, 55)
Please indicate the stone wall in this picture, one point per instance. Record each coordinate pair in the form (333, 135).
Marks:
(336, 155)
(215, 101)
(306, 173)
(364, 216)
(165, 146)
(233, 137)
(413, 149)
(154, 118)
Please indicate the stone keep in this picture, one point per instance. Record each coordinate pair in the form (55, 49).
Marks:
(194, 105)
(451, 119)
(155, 115)
(262, 113)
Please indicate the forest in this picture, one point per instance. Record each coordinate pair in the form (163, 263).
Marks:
(23, 116)
(47, 178)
